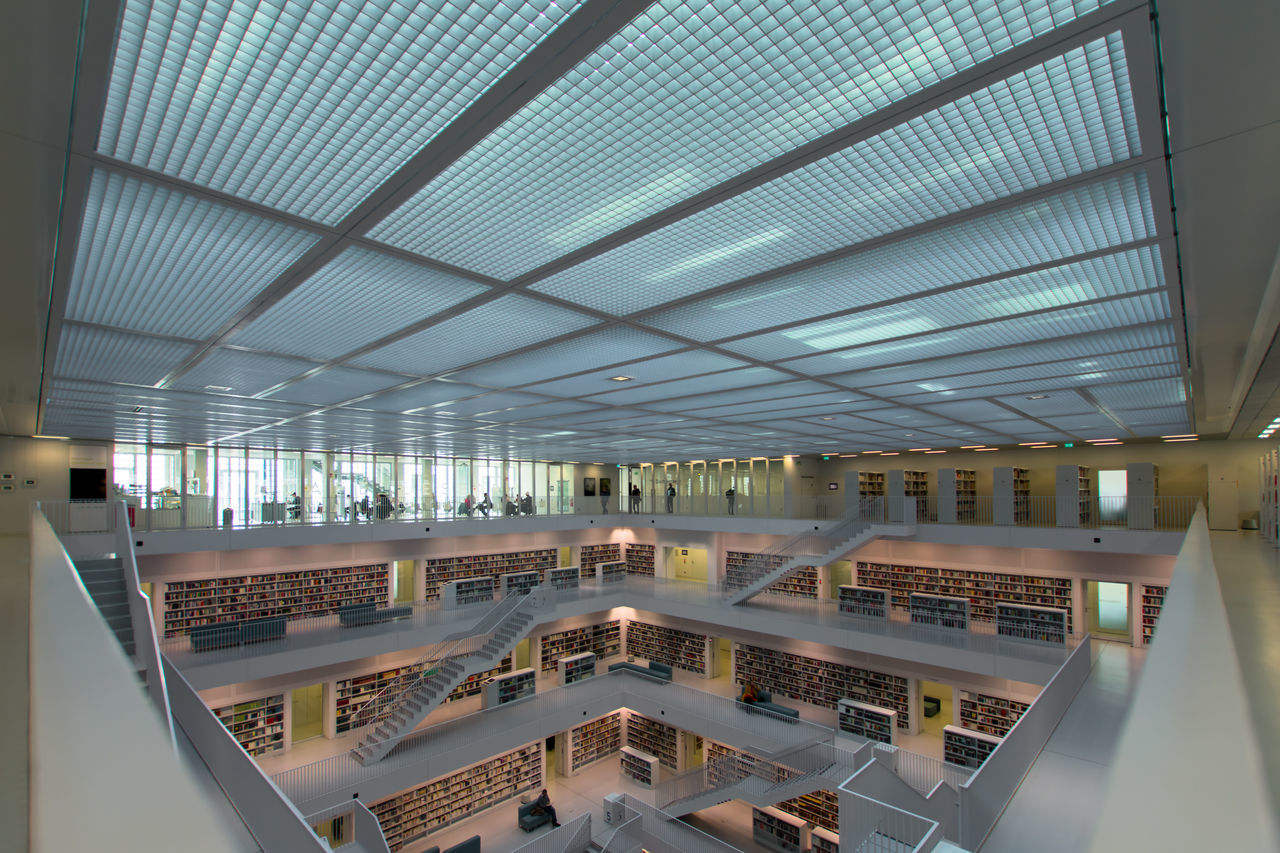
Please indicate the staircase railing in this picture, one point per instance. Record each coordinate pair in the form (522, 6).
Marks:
(381, 704)
(815, 542)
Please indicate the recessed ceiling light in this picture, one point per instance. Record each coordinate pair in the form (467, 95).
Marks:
(1096, 440)
(848, 456)
(1175, 440)
(621, 378)
(217, 388)
(1038, 397)
(872, 451)
(1031, 443)
(1184, 435)
(984, 449)
(972, 446)
(918, 449)
(927, 452)
(828, 419)
(1043, 446)
(894, 453)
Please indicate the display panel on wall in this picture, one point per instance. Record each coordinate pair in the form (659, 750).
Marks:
(414, 813)
(437, 570)
(820, 682)
(682, 649)
(295, 595)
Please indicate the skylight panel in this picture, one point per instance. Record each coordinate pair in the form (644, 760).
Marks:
(696, 385)
(155, 260)
(101, 354)
(336, 385)
(597, 349)
(244, 373)
(304, 107)
(1068, 116)
(1086, 219)
(509, 322)
(357, 298)
(640, 124)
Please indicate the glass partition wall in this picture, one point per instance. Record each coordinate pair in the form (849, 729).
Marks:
(169, 487)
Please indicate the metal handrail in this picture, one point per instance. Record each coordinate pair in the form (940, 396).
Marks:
(764, 562)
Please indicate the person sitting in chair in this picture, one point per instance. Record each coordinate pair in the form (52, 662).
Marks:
(485, 505)
(542, 805)
(749, 694)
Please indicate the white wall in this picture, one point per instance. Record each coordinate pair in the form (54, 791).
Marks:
(46, 461)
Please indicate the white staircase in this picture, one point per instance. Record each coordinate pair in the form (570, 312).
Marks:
(808, 549)
(757, 781)
(398, 709)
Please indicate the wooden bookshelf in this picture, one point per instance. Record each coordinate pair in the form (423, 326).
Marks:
(990, 715)
(863, 601)
(604, 640)
(641, 767)
(257, 724)
(508, 687)
(820, 682)
(985, 590)
(412, 814)
(640, 559)
(966, 747)
(352, 693)
(867, 721)
(939, 611)
(441, 569)
(1152, 604)
(777, 830)
(654, 738)
(593, 741)
(1044, 625)
(294, 595)
(741, 567)
(682, 649)
(589, 555)
(577, 668)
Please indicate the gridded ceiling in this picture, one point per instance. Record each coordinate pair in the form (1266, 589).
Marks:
(613, 231)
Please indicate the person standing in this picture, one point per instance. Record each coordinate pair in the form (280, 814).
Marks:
(729, 496)
(635, 498)
(671, 497)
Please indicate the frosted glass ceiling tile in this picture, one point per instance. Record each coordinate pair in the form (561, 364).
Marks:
(651, 370)
(968, 410)
(243, 373)
(305, 107)
(1111, 275)
(355, 299)
(782, 394)
(155, 260)
(1107, 213)
(535, 411)
(89, 353)
(336, 385)
(1039, 386)
(1053, 405)
(593, 350)
(1141, 395)
(1093, 425)
(696, 385)
(595, 151)
(489, 403)
(1069, 115)
(425, 394)
(510, 322)
(1089, 369)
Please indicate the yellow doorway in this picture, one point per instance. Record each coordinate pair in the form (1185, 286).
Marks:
(308, 712)
(404, 580)
(686, 564)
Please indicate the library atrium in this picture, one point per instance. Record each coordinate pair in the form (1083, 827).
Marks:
(684, 426)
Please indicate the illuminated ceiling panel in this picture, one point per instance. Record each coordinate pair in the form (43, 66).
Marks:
(594, 152)
(1069, 115)
(304, 107)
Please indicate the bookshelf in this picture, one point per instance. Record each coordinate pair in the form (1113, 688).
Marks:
(352, 693)
(609, 573)
(740, 567)
(1074, 496)
(577, 668)
(1044, 625)
(412, 814)
(591, 742)
(655, 738)
(989, 715)
(863, 601)
(1152, 604)
(777, 830)
(820, 682)
(907, 484)
(257, 725)
(682, 649)
(510, 687)
(603, 639)
(589, 555)
(519, 583)
(824, 840)
(295, 595)
(460, 593)
(966, 747)
(940, 611)
(640, 559)
(564, 578)
(985, 590)
(821, 808)
(957, 495)
(641, 767)
(1011, 495)
(440, 569)
(871, 484)
(868, 721)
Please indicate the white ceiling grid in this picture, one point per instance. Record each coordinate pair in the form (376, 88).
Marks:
(971, 224)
